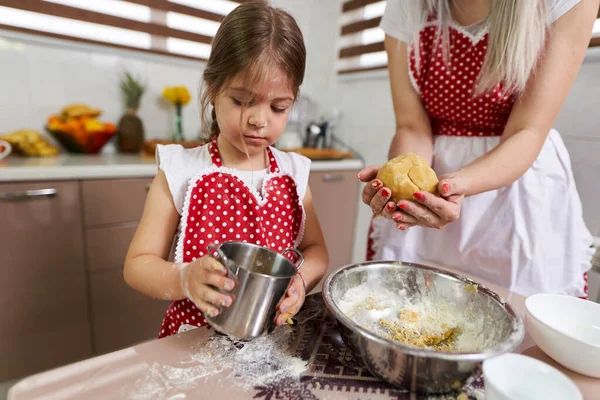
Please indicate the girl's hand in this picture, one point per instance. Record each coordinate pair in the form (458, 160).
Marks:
(432, 211)
(292, 301)
(198, 280)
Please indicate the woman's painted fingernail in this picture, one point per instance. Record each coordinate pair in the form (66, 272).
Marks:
(402, 227)
(390, 207)
(385, 192)
(283, 308)
(214, 313)
(229, 284)
(446, 187)
(292, 292)
(403, 206)
(419, 196)
(225, 302)
(376, 184)
(397, 218)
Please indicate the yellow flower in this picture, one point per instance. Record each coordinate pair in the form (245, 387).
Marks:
(177, 95)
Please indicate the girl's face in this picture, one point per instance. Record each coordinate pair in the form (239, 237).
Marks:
(254, 118)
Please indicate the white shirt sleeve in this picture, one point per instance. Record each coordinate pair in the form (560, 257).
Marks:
(395, 18)
(179, 165)
(558, 8)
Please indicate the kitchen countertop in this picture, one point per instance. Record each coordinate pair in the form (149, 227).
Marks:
(107, 166)
(180, 367)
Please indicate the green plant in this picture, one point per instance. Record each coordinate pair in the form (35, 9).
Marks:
(132, 90)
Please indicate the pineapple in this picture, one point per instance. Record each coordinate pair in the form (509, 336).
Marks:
(131, 129)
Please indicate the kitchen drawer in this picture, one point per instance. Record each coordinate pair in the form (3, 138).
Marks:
(44, 321)
(335, 201)
(114, 200)
(122, 316)
(106, 247)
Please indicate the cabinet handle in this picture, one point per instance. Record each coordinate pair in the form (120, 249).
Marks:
(333, 178)
(27, 195)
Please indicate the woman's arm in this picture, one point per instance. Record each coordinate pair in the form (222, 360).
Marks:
(413, 128)
(534, 113)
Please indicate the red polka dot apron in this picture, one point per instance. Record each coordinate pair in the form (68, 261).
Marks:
(220, 207)
(504, 236)
(447, 90)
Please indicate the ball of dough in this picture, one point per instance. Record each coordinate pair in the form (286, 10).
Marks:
(407, 174)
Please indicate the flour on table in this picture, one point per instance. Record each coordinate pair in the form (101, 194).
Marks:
(243, 364)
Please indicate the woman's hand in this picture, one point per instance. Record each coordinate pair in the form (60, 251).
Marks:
(374, 194)
(198, 280)
(431, 211)
(292, 301)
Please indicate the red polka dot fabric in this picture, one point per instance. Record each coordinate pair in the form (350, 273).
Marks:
(447, 89)
(220, 208)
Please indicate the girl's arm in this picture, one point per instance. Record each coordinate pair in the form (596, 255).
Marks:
(147, 271)
(316, 260)
(534, 113)
(145, 267)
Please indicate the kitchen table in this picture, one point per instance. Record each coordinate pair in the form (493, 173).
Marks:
(307, 360)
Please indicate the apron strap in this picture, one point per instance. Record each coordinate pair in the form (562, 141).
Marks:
(218, 162)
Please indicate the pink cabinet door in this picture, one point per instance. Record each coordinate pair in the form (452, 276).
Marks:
(121, 316)
(335, 200)
(44, 320)
(110, 201)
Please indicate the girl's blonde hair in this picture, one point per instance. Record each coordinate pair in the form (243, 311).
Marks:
(517, 34)
(251, 39)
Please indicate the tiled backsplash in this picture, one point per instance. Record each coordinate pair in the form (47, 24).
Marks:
(39, 77)
(369, 125)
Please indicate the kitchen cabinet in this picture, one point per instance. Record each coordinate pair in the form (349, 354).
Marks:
(335, 201)
(44, 320)
(121, 316)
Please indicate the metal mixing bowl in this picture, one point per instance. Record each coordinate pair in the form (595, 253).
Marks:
(413, 368)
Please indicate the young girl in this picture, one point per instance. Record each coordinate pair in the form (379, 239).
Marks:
(237, 187)
(476, 87)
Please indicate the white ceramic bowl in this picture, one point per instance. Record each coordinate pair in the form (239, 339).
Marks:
(567, 329)
(518, 377)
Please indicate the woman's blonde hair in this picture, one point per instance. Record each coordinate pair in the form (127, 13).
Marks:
(517, 34)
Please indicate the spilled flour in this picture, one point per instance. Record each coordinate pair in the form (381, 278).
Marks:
(242, 364)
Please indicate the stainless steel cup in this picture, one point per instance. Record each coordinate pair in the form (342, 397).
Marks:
(261, 277)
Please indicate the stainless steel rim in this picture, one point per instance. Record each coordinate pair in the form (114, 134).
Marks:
(511, 343)
(264, 248)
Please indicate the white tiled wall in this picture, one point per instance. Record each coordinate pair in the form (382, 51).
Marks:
(38, 78)
(369, 126)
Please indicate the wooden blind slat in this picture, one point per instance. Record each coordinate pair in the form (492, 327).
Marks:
(363, 69)
(59, 10)
(179, 8)
(361, 26)
(355, 4)
(595, 42)
(97, 42)
(362, 49)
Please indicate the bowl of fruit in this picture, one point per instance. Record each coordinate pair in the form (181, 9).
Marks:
(78, 130)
